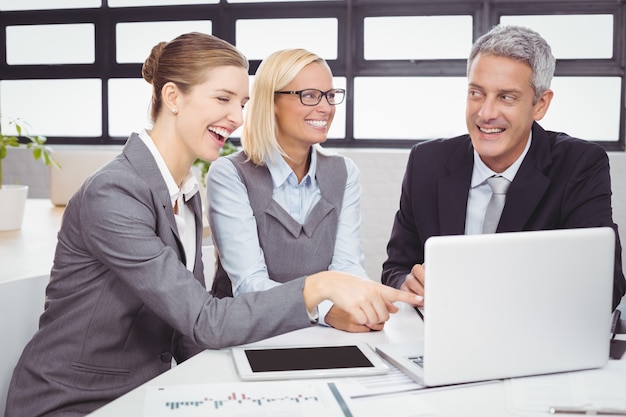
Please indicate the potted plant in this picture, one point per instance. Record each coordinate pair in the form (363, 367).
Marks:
(13, 196)
(203, 166)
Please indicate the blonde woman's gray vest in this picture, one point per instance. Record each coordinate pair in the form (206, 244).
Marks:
(291, 249)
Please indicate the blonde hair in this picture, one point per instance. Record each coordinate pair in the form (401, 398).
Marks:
(258, 137)
(185, 61)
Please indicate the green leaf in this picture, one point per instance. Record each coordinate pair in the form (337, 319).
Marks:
(35, 142)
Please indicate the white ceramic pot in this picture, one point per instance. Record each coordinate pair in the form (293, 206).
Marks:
(12, 202)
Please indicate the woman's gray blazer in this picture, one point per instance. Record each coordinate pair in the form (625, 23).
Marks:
(121, 304)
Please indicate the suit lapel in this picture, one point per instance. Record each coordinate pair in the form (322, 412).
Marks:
(196, 208)
(453, 191)
(139, 156)
(530, 184)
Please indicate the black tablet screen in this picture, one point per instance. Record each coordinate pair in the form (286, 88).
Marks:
(298, 359)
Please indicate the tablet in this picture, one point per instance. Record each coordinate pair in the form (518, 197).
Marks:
(263, 363)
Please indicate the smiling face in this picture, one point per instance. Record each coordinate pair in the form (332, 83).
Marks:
(211, 111)
(500, 109)
(301, 126)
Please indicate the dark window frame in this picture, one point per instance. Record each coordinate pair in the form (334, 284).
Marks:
(349, 63)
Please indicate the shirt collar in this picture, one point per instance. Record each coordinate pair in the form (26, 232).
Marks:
(481, 171)
(190, 184)
(281, 171)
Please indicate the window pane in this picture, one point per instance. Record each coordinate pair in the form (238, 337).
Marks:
(134, 41)
(50, 44)
(417, 37)
(129, 106)
(572, 36)
(585, 107)
(6, 5)
(55, 107)
(131, 3)
(409, 107)
(316, 35)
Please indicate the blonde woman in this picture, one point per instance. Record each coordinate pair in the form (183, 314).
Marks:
(284, 208)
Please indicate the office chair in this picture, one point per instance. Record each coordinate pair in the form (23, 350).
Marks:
(21, 304)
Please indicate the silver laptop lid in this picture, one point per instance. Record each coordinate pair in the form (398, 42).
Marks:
(513, 304)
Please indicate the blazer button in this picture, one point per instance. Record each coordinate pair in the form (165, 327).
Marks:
(166, 357)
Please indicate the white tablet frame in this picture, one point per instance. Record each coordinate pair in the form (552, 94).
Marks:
(245, 371)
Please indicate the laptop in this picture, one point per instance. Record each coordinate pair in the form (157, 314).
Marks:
(512, 304)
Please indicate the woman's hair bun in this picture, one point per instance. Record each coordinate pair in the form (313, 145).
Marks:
(151, 65)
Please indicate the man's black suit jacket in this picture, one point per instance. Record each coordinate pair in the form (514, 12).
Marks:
(562, 183)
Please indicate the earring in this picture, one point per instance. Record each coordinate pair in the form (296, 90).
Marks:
(174, 111)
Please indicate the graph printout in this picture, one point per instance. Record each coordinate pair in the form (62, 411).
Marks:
(267, 398)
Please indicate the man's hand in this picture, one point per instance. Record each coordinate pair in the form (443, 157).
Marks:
(414, 282)
(340, 319)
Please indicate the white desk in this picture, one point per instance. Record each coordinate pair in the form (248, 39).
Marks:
(29, 252)
(215, 366)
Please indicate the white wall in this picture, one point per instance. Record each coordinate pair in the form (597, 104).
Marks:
(381, 176)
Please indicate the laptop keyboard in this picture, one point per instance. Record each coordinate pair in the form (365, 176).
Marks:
(418, 360)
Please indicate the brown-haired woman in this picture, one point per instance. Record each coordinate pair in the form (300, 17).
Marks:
(126, 294)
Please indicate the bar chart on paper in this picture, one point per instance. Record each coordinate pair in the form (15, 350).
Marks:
(277, 398)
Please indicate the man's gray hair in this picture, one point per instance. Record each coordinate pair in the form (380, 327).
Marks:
(521, 44)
